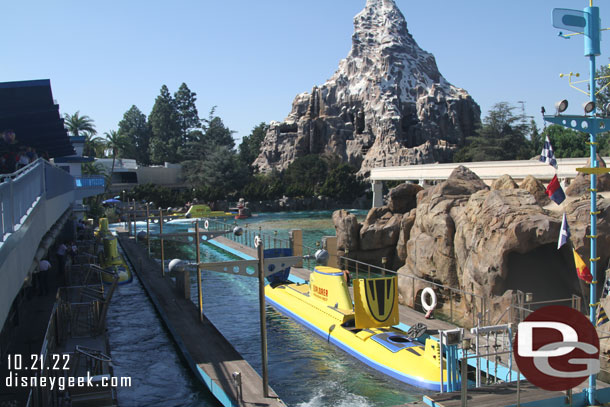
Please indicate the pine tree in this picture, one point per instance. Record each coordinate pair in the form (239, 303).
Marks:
(250, 145)
(215, 132)
(136, 130)
(501, 137)
(188, 117)
(164, 123)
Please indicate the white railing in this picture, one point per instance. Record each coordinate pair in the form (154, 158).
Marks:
(19, 192)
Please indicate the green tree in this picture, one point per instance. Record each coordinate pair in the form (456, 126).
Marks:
(536, 139)
(188, 117)
(250, 145)
(136, 130)
(603, 87)
(343, 184)
(94, 203)
(220, 173)
(78, 125)
(305, 175)
(263, 187)
(160, 196)
(502, 136)
(163, 120)
(567, 143)
(115, 143)
(215, 132)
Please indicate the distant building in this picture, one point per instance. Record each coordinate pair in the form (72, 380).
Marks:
(127, 174)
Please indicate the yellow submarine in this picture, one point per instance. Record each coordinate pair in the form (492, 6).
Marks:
(363, 329)
(110, 259)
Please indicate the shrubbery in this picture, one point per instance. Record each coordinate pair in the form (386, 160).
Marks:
(307, 176)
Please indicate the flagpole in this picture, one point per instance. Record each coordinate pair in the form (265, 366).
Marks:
(591, 124)
(593, 13)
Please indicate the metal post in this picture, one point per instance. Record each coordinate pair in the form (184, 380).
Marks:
(478, 352)
(162, 251)
(12, 203)
(198, 259)
(440, 352)
(518, 387)
(464, 376)
(593, 237)
(262, 316)
(135, 220)
(148, 227)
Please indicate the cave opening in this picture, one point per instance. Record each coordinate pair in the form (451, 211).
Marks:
(543, 272)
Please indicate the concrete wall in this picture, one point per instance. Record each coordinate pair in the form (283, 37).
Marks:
(169, 175)
(486, 170)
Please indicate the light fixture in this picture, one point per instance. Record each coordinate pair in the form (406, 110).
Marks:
(561, 106)
(588, 106)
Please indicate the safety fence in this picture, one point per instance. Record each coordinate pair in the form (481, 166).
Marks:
(452, 304)
(21, 190)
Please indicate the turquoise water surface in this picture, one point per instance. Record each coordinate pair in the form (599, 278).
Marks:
(304, 370)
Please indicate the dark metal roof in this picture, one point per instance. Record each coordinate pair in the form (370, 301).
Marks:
(28, 108)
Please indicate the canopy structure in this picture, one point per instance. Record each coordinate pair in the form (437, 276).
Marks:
(28, 108)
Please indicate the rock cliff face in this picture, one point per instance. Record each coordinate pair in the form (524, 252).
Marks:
(488, 242)
(387, 104)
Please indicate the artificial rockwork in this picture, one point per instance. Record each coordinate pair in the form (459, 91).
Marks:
(387, 104)
(491, 242)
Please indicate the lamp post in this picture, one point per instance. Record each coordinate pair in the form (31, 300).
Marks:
(586, 22)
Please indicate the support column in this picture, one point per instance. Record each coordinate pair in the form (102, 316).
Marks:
(329, 243)
(296, 244)
(377, 194)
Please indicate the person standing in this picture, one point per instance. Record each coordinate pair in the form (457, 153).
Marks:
(62, 251)
(41, 277)
(73, 251)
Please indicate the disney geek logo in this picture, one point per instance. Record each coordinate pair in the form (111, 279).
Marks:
(556, 348)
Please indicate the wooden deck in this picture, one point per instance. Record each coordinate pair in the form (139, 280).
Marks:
(209, 355)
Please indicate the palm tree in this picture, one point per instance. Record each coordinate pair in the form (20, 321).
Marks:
(94, 146)
(78, 125)
(114, 142)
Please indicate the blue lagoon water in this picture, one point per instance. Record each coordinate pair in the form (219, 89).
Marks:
(304, 370)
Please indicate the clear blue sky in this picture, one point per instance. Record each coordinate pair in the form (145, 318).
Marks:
(251, 58)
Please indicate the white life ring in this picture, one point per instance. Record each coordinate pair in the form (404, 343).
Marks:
(206, 224)
(257, 241)
(424, 303)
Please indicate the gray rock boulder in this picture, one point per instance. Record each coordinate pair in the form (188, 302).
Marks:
(347, 231)
(380, 229)
(403, 198)
(504, 182)
(536, 188)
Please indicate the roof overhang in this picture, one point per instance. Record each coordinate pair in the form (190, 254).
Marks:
(28, 108)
